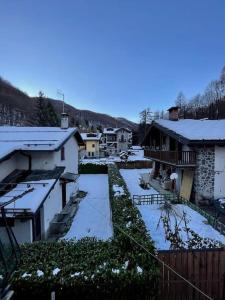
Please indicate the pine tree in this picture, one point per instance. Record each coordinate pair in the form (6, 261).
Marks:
(46, 115)
(41, 113)
(52, 118)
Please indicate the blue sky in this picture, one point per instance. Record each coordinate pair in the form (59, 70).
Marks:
(112, 56)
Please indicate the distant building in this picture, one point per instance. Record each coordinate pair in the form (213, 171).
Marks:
(38, 173)
(115, 140)
(194, 150)
(91, 147)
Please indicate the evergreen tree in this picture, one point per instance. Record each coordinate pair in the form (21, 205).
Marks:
(46, 115)
(41, 112)
(52, 118)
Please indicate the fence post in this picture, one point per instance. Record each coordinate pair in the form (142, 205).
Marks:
(52, 295)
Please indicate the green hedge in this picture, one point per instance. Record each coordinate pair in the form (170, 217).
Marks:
(117, 268)
(90, 168)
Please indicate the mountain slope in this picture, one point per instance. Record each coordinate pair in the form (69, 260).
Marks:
(17, 108)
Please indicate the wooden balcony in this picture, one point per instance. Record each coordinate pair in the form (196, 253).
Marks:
(176, 158)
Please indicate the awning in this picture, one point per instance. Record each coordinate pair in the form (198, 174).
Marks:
(69, 177)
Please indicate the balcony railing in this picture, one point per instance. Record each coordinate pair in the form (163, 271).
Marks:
(181, 158)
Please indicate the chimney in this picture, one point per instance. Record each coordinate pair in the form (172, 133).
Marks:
(173, 113)
(64, 121)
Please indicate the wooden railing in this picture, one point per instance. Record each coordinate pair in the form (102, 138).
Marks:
(173, 157)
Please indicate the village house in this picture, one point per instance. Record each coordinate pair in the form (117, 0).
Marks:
(91, 147)
(194, 150)
(115, 140)
(38, 173)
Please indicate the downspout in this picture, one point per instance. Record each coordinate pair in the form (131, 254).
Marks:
(29, 159)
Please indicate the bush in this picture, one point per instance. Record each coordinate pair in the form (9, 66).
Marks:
(89, 268)
(90, 168)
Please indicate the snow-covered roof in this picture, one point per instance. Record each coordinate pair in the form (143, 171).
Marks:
(32, 138)
(32, 194)
(91, 136)
(197, 130)
(111, 130)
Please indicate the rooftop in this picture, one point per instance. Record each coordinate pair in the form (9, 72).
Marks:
(91, 136)
(111, 130)
(197, 130)
(31, 191)
(33, 138)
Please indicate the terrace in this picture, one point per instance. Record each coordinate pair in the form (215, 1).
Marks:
(175, 158)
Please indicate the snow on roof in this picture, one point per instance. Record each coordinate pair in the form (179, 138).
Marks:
(32, 138)
(111, 130)
(30, 200)
(91, 136)
(196, 129)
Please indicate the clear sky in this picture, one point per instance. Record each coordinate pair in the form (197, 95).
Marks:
(112, 56)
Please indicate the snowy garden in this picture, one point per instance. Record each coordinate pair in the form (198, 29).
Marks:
(93, 218)
(172, 226)
(101, 249)
(97, 267)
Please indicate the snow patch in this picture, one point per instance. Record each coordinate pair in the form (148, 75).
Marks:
(40, 273)
(56, 271)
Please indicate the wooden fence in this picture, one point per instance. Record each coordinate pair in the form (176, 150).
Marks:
(139, 164)
(203, 268)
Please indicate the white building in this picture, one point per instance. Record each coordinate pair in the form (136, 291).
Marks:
(115, 140)
(38, 172)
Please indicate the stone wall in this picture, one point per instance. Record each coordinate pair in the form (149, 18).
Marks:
(204, 173)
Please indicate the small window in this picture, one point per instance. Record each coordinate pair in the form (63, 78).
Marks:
(93, 145)
(62, 153)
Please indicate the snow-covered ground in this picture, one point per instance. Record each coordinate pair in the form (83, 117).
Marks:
(93, 218)
(137, 154)
(152, 213)
(131, 176)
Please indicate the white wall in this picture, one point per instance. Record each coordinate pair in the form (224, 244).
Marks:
(219, 183)
(71, 156)
(6, 167)
(42, 160)
(23, 231)
(51, 206)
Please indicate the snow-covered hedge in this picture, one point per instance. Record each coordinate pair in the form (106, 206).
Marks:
(127, 220)
(90, 268)
(91, 168)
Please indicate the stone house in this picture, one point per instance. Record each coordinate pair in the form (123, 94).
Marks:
(38, 174)
(115, 140)
(194, 150)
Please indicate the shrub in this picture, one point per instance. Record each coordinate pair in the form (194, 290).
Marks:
(90, 168)
(90, 268)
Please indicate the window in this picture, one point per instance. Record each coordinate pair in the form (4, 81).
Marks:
(62, 153)
(93, 145)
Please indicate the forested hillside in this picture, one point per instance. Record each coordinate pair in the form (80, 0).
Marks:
(17, 108)
(210, 104)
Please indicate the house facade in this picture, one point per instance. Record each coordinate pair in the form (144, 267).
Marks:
(38, 176)
(91, 148)
(192, 149)
(115, 140)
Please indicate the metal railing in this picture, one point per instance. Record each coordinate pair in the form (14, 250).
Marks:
(156, 199)
(9, 251)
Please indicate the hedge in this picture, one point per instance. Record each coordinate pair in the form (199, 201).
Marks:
(91, 268)
(90, 168)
